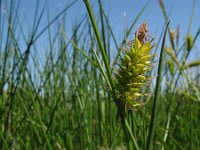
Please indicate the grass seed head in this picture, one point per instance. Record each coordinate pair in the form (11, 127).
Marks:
(133, 66)
(189, 41)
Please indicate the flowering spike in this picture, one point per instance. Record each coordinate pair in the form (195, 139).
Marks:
(131, 76)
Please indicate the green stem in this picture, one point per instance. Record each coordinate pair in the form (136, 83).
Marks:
(153, 114)
(103, 53)
(131, 135)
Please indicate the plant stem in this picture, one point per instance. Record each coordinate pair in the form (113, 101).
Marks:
(153, 113)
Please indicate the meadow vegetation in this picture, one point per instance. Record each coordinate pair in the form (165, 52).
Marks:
(65, 97)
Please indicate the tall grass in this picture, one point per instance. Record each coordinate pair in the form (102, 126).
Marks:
(64, 97)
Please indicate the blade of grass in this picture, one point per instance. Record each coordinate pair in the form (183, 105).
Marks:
(131, 135)
(103, 53)
(82, 52)
(53, 20)
(110, 29)
(157, 90)
(102, 24)
(101, 68)
(191, 17)
(166, 20)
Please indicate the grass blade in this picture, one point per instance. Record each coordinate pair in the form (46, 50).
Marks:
(153, 113)
(82, 52)
(98, 37)
(131, 135)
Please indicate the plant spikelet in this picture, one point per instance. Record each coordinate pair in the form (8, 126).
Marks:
(133, 66)
(189, 41)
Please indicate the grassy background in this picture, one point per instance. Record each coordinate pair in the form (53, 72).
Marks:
(63, 97)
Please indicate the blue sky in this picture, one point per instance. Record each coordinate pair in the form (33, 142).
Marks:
(180, 14)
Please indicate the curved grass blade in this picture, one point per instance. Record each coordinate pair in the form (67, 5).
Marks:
(153, 113)
(131, 135)
(82, 52)
(102, 50)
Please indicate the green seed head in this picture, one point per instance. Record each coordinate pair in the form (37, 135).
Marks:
(189, 41)
(171, 66)
(131, 73)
